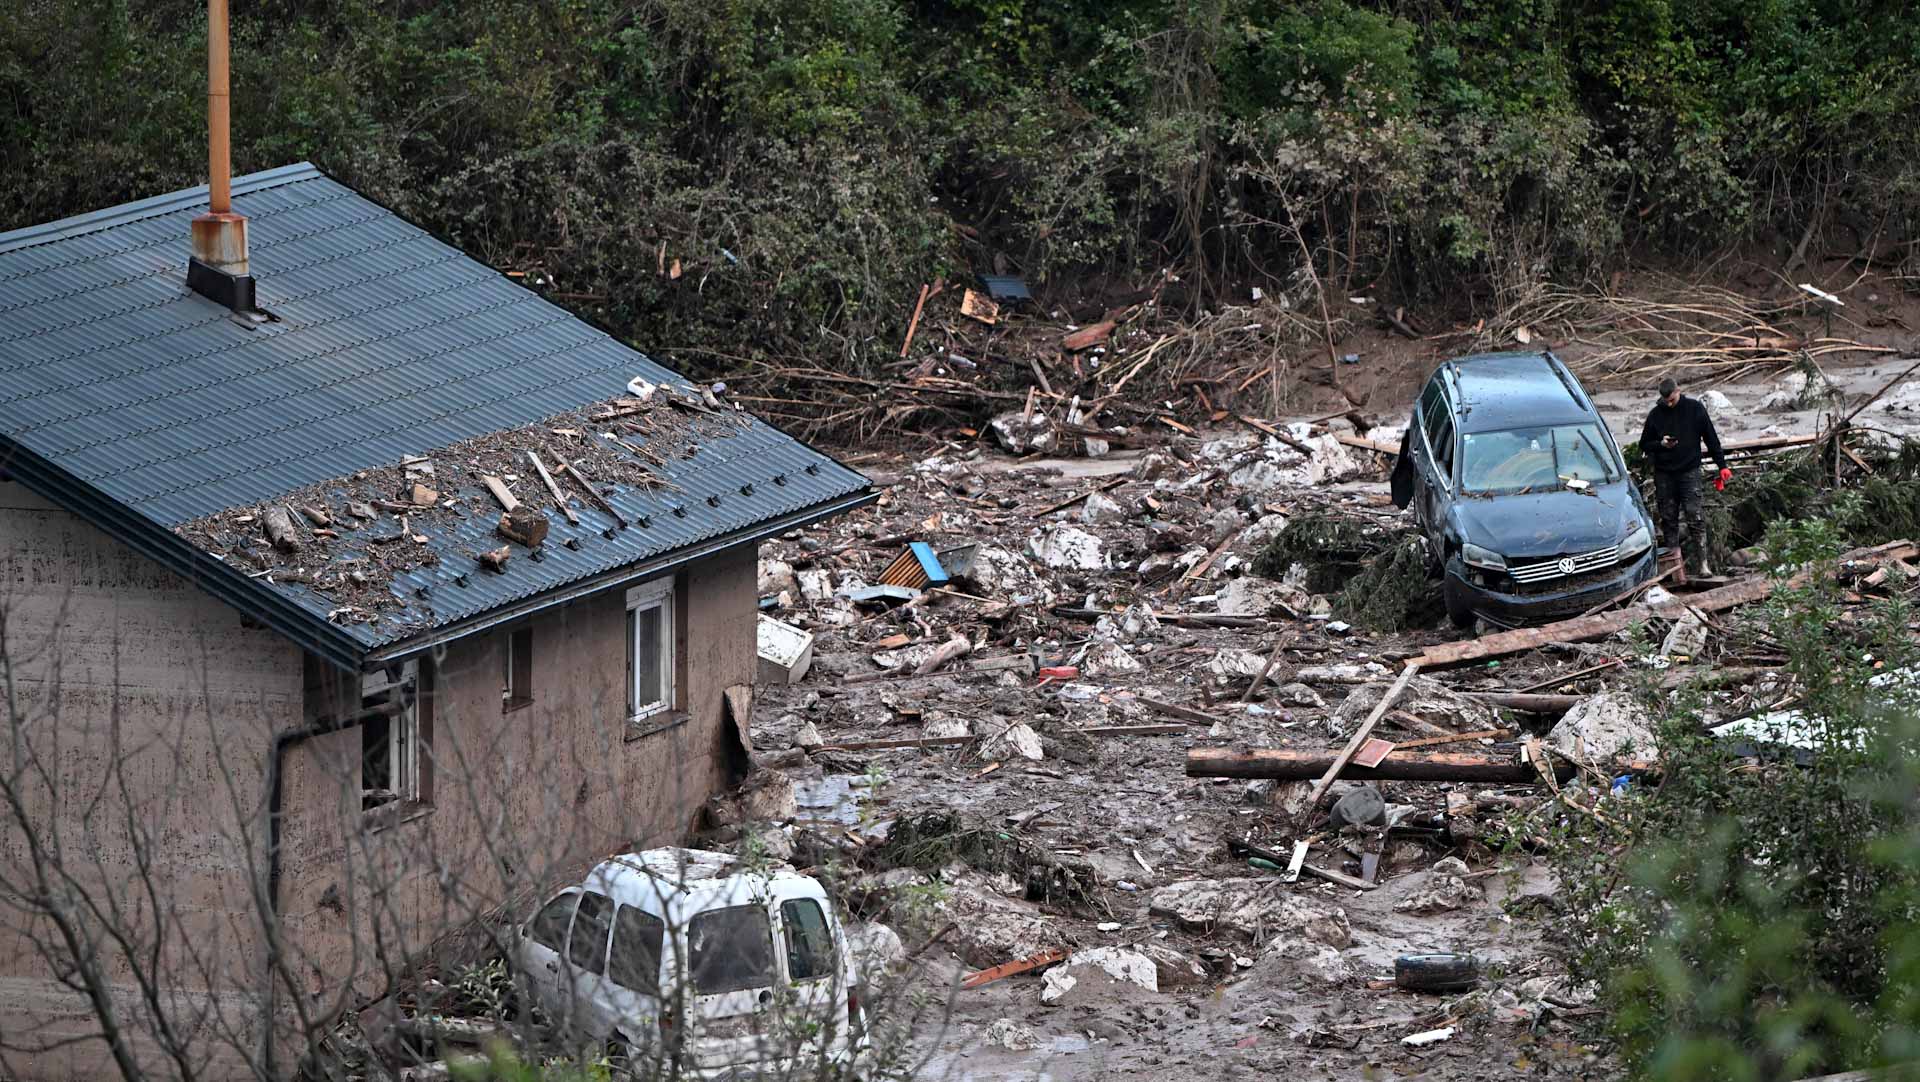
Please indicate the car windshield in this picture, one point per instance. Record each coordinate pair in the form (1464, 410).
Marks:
(1533, 459)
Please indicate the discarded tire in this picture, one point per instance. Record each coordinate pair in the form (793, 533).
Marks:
(1436, 972)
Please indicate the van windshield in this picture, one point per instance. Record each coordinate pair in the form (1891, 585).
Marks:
(1533, 459)
(730, 949)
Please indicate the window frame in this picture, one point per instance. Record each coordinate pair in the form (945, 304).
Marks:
(606, 941)
(569, 895)
(788, 926)
(661, 595)
(409, 740)
(516, 646)
(616, 971)
(1435, 415)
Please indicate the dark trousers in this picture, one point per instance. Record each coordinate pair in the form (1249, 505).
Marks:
(1678, 497)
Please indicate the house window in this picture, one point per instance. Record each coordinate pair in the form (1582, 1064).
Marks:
(650, 665)
(516, 677)
(394, 738)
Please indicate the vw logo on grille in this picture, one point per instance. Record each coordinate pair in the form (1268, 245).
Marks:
(1567, 565)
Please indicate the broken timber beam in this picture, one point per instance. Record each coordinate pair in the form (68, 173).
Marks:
(1175, 710)
(1360, 735)
(559, 499)
(1529, 704)
(1300, 764)
(1599, 625)
(508, 502)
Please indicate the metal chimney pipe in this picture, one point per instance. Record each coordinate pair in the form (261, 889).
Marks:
(219, 162)
(219, 269)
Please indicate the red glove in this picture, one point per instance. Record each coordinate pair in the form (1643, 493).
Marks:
(1720, 482)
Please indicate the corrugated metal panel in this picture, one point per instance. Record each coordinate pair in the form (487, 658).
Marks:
(136, 396)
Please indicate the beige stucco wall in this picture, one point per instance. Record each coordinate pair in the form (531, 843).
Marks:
(148, 704)
(520, 799)
(140, 678)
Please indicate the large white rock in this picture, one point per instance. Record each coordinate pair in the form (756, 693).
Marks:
(1604, 726)
(1687, 638)
(775, 576)
(1017, 741)
(1098, 508)
(1425, 698)
(876, 947)
(1251, 907)
(1252, 596)
(1233, 662)
(1106, 658)
(1121, 964)
(1067, 548)
(1020, 432)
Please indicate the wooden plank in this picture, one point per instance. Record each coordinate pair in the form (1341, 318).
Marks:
(1527, 703)
(1598, 625)
(1279, 644)
(1010, 969)
(885, 745)
(1360, 736)
(500, 492)
(1373, 751)
(593, 494)
(1175, 710)
(1130, 730)
(1297, 764)
(559, 499)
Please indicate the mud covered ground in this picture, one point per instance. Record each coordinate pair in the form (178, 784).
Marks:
(1216, 968)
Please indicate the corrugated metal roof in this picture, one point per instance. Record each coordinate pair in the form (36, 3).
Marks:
(144, 405)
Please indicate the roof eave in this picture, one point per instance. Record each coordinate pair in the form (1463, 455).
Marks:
(201, 568)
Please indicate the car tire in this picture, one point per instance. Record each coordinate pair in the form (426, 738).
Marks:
(1459, 609)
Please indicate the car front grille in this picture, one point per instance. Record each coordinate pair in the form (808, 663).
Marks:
(1561, 567)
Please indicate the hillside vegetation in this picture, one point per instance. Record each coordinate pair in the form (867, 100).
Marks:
(808, 164)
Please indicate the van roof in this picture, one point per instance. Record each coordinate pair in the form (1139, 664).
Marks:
(1498, 391)
(675, 882)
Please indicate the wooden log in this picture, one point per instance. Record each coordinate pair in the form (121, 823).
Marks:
(524, 525)
(1531, 704)
(889, 745)
(316, 515)
(1009, 969)
(1298, 764)
(500, 492)
(958, 646)
(559, 498)
(279, 526)
(1360, 735)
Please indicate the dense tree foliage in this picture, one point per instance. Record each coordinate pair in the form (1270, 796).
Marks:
(809, 164)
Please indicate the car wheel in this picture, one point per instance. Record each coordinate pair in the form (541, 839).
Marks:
(1459, 609)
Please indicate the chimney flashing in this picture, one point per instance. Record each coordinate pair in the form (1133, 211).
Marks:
(220, 286)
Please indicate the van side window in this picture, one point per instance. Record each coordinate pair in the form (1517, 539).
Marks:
(637, 938)
(730, 949)
(809, 940)
(549, 926)
(587, 947)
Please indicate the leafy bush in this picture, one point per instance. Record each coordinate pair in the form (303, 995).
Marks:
(1750, 917)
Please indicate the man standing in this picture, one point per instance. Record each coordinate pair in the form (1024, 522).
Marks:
(1675, 428)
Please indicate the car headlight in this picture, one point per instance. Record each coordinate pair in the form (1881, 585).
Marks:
(1475, 556)
(1637, 542)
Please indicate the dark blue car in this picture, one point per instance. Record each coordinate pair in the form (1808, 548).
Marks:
(1520, 490)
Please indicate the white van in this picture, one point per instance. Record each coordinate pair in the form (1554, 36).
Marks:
(683, 954)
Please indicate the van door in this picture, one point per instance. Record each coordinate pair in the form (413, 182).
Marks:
(632, 987)
(543, 946)
(732, 973)
(593, 1013)
(816, 989)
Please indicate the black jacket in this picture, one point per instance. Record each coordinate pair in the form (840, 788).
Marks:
(1687, 422)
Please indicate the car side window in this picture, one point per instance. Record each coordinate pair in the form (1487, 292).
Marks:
(637, 939)
(587, 946)
(1443, 448)
(549, 926)
(809, 940)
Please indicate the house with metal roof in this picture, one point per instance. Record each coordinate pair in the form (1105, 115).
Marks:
(372, 587)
